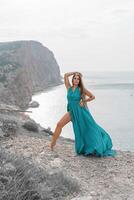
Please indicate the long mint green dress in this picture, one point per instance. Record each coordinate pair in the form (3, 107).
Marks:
(90, 137)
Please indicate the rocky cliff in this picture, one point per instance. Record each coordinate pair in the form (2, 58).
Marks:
(26, 67)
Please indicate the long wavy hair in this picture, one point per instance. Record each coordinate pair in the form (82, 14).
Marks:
(81, 86)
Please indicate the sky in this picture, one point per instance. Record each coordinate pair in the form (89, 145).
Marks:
(84, 35)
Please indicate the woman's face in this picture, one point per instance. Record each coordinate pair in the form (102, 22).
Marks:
(76, 80)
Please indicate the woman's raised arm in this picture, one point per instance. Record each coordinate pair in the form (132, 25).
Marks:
(66, 79)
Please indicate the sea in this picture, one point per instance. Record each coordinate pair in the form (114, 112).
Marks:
(113, 107)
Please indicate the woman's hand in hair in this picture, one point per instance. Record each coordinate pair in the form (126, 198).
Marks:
(79, 73)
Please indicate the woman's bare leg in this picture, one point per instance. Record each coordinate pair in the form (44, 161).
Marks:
(60, 124)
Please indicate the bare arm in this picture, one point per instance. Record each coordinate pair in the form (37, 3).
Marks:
(89, 94)
(66, 79)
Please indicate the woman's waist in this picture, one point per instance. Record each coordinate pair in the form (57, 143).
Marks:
(71, 100)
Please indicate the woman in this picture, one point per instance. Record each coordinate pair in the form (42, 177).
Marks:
(90, 138)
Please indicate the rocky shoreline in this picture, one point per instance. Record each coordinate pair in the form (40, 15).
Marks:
(58, 174)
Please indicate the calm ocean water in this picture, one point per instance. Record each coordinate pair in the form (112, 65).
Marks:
(113, 107)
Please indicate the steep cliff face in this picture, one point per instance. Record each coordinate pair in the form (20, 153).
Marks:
(26, 67)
